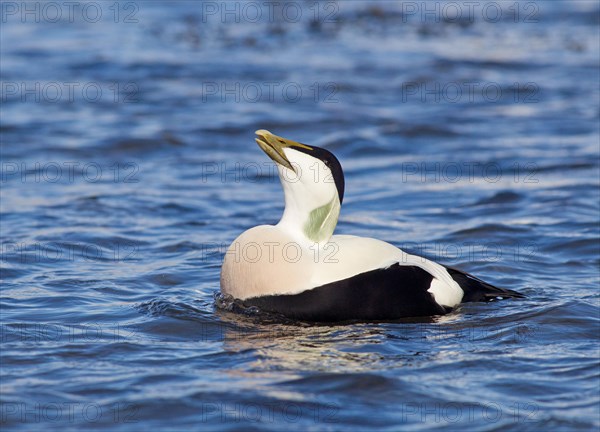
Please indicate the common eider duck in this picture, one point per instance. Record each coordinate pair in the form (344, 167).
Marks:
(299, 269)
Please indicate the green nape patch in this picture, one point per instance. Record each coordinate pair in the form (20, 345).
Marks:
(322, 221)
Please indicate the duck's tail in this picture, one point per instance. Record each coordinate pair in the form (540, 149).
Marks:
(477, 290)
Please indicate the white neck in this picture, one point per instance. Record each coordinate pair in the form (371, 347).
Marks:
(309, 226)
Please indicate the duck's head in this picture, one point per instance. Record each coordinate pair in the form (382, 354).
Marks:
(313, 184)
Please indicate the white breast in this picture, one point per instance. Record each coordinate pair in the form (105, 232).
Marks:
(265, 260)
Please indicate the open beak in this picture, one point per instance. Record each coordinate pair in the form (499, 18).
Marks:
(273, 146)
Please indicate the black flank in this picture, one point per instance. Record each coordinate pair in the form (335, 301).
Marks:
(383, 294)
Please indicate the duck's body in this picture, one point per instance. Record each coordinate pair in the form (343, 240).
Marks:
(298, 268)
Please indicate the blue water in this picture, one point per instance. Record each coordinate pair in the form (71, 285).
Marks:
(128, 166)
